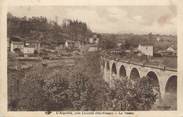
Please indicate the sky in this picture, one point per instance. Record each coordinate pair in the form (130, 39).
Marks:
(109, 19)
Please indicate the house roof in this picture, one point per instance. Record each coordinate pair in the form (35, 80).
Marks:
(61, 42)
(173, 47)
(16, 38)
(20, 39)
(32, 41)
(170, 49)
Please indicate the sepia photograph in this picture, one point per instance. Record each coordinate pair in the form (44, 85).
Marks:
(92, 58)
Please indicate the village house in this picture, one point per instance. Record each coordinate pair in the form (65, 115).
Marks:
(27, 47)
(93, 43)
(69, 44)
(119, 44)
(31, 47)
(79, 45)
(92, 48)
(94, 39)
(146, 49)
(170, 51)
(16, 43)
(60, 44)
(76, 46)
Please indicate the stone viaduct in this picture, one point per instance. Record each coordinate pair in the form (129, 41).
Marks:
(161, 76)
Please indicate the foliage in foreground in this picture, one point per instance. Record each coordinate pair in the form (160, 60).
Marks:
(78, 88)
(126, 96)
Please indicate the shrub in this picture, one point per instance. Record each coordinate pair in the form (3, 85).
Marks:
(128, 97)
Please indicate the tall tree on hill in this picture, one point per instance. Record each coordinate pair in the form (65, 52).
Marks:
(77, 30)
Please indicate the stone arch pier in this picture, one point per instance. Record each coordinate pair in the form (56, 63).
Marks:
(164, 79)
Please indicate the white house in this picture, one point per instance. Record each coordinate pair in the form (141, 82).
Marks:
(92, 49)
(16, 44)
(69, 44)
(158, 39)
(91, 40)
(170, 49)
(31, 46)
(94, 39)
(119, 44)
(25, 46)
(146, 49)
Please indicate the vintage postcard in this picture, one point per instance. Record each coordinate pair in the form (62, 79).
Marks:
(91, 58)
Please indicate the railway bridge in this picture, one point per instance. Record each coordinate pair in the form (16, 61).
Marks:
(163, 77)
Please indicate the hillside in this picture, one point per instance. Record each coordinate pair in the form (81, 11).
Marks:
(50, 33)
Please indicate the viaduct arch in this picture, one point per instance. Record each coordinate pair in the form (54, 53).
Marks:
(153, 79)
(122, 71)
(171, 85)
(164, 80)
(134, 74)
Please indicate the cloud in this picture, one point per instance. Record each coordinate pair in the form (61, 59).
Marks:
(116, 12)
(138, 19)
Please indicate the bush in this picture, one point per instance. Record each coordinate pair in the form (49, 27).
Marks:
(126, 95)
(18, 52)
(56, 88)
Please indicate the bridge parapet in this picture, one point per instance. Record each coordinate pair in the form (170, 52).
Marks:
(143, 64)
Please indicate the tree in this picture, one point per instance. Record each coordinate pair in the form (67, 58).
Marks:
(57, 90)
(126, 95)
(50, 33)
(77, 30)
(108, 44)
